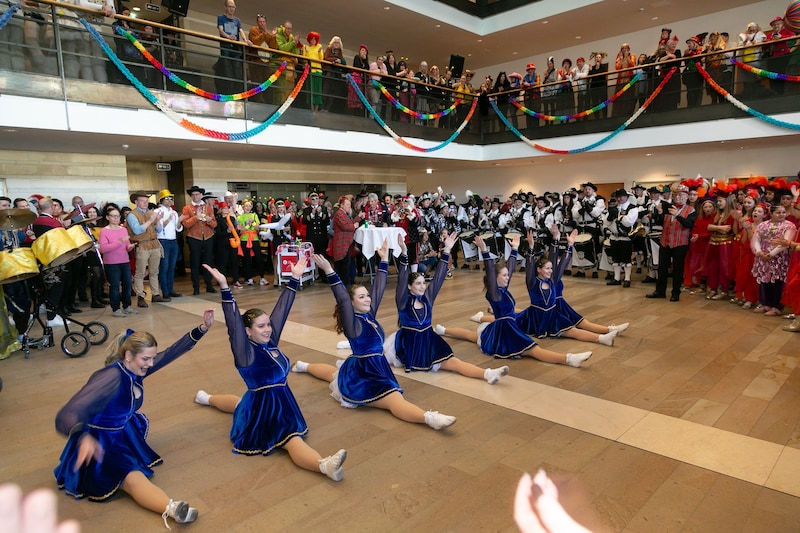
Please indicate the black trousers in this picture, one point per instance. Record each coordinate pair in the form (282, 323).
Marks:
(200, 252)
(677, 256)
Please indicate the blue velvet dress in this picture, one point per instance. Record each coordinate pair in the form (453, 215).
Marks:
(503, 338)
(549, 314)
(107, 409)
(365, 376)
(267, 415)
(416, 345)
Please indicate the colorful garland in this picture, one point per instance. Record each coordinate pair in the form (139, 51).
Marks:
(399, 139)
(183, 122)
(196, 90)
(407, 111)
(741, 105)
(586, 113)
(8, 15)
(764, 73)
(605, 139)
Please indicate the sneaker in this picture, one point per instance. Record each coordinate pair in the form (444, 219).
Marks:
(119, 313)
(130, 311)
(575, 359)
(449, 275)
(180, 512)
(237, 285)
(747, 305)
(141, 303)
(249, 282)
(619, 329)
(343, 345)
(438, 421)
(331, 466)
(439, 329)
(202, 397)
(493, 375)
(607, 338)
(56, 321)
(264, 282)
(719, 296)
(477, 317)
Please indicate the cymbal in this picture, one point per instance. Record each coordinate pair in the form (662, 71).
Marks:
(76, 212)
(16, 218)
(87, 220)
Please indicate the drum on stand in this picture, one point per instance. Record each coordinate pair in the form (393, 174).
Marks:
(17, 264)
(54, 248)
(491, 240)
(582, 238)
(81, 238)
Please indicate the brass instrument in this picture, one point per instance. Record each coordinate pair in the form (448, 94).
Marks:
(637, 231)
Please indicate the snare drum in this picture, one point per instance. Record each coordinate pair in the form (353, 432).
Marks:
(583, 237)
(467, 236)
(54, 248)
(81, 239)
(17, 264)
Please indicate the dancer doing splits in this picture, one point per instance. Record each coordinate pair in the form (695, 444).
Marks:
(365, 377)
(549, 314)
(267, 417)
(415, 346)
(106, 450)
(503, 338)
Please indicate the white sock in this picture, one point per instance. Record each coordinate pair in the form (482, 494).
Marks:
(331, 466)
(617, 271)
(477, 317)
(439, 329)
(438, 421)
(493, 375)
(300, 366)
(619, 329)
(575, 359)
(607, 338)
(343, 345)
(628, 269)
(202, 397)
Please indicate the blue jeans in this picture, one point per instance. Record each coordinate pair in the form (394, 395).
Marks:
(115, 274)
(166, 269)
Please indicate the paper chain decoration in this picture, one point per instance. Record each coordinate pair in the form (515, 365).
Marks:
(595, 109)
(764, 73)
(186, 123)
(604, 140)
(415, 114)
(399, 139)
(196, 90)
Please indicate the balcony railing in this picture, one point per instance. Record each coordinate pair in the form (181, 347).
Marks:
(47, 52)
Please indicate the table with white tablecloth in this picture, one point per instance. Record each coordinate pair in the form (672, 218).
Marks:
(371, 239)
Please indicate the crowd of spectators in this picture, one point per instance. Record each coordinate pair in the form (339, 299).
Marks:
(561, 88)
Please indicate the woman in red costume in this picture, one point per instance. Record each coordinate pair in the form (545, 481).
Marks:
(746, 288)
(719, 253)
(695, 276)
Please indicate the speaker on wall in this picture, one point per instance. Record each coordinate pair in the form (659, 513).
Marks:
(178, 7)
(456, 65)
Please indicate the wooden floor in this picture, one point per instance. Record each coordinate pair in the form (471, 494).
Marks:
(689, 423)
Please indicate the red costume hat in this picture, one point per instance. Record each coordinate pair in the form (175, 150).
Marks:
(313, 35)
(776, 19)
(530, 66)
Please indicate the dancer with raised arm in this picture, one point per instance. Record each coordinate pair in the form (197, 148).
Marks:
(503, 338)
(415, 346)
(549, 314)
(267, 418)
(106, 450)
(365, 377)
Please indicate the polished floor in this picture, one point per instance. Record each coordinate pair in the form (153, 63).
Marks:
(689, 423)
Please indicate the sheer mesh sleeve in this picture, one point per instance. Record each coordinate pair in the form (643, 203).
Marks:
(90, 400)
(280, 313)
(401, 294)
(491, 278)
(378, 286)
(351, 327)
(180, 347)
(561, 262)
(438, 277)
(240, 345)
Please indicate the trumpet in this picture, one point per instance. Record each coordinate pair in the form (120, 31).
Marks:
(638, 230)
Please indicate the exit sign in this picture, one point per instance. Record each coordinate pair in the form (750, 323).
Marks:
(154, 8)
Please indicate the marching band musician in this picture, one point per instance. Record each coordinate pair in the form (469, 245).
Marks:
(652, 220)
(622, 219)
(588, 212)
(540, 221)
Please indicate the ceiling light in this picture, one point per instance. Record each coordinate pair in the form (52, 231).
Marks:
(648, 155)
(545, 22)
(480, 40)
(387, 8)
(653, 18)
(137, 8)
(514, 53)
(428, 171)
(438, 26)
(577, 36)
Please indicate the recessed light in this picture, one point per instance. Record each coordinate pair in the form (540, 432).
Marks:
(429, 171)
(480, 40)
(577, 36)
(514, 53)
(438, 26)
(648, 155)
(386, 8)
(545, 22)
(653, 18)
(137, 8)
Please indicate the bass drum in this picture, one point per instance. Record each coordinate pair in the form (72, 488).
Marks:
(17, 264)
(54, 248)
(83, 242)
